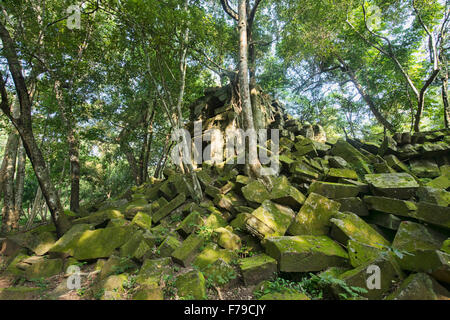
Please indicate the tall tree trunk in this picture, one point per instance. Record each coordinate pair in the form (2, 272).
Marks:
(8, 210)
(20, 184)
(72, 142)
(34, 208)
(25, 128)
(444, 89)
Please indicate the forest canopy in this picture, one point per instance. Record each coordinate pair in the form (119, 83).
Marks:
(91, 90)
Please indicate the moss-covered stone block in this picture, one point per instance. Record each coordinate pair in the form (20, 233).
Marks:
(420, 286)
(100, 243)
(420, 247)
(353, 204)
(191, 286)
(389, 205)
(314, 216)
(335, 174)
(68, 241)
(305, 253)
(168, 208)
(153, 269)
(142, 220)
(425, 168)
(210, 254)
(361, 253)
(350, 154)
(357, 229)
(136, 247)
(99, 217)
(393, 185)
(149, 292)
(270, 219)
(44, 269)
(390, 275)
(285, 194)
(225, 238)
(168, 246)
(334, 190)
(188, 250)
(435, 196)
(257, 268)
(116, 265)
(190, 224)
(20, 293)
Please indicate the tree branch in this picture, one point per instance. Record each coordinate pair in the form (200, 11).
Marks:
(226, 6)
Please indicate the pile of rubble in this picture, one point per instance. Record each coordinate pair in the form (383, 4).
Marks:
(371, 220)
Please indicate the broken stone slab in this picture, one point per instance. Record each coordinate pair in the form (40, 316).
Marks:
(115, 264)
(136, 247)
(420, 246)
(68, 241)
(225, 238)
(44, 269)
(191, 285)
(210, 254)
(335, 174)
(364, 276)
(152, 270)
(353, 204)
(425, 168)
(285, 194)
(255, 192)
(142, 220)
(334, 190)
(393, 185)
(20, 293)
(389, 205)
(442, 182)
(149, 292)
(190, 224)
(396, 164)
(314, 216)
(361, 253)
(354, 228)
(39, 243)
(257, 268)
(212, 191)
(270, 219)
(168, 208)
(434, 214)
(350, 154)
(229, 202)
(436, 196)
(168, 246)
(388, 146)
(239, 222)
(99, 217)
(100, 243)
(220, 273)
(188, 250)
(111, 288)
(305, 253)
(384, 220)
(337, 162)
(420, 286)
